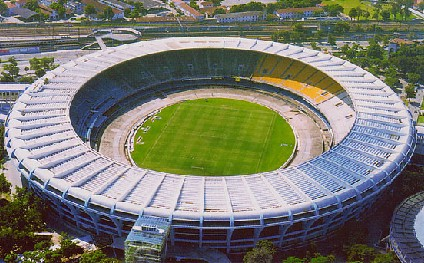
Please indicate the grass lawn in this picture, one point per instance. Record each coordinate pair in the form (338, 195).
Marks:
(349, 4)
(214, 137)
(420, 119)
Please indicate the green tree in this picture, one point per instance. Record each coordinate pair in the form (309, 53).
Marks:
(59, 8)
(135, 14)
(293, 260)
(5, 185)
(366, 14)
(314, 46)
(360, 252)
(359, 12)
(108, 13)
(331, 39)
(32, 5)
(341, 27)
(333, 10)
(17, 232)
(219, 11)
(353, 13)
(194, 5)
(96, 256)
(3, 7)
(69, 248)
(375, 51)
(217, 2)
(385, 15)
(322, 259)
(395, 9)
(42, 65)
(410, 91)
(421, 6)
(385, 258)
(90, 10)
(252, 6)
(139, 6)
(262, 253)
(413, 77)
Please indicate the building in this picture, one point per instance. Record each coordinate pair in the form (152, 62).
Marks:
(75, 7)
(250, 16)
(117, 4)
(100, 6)
(407, 230)
(297, 13)
(147, 240)
(52, 132)
(206, 5)
(53, 14)
(187, 10)
(23, 13)
(396, 43)
(9, 93)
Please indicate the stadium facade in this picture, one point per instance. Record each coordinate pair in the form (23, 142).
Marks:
(50, 129)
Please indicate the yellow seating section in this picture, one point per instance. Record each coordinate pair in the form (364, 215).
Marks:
(311, 93)
(294, 76)
(266, 65)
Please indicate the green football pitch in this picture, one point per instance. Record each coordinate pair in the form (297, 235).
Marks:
(214, 137)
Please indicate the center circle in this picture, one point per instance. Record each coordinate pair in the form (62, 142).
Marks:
(213, 136)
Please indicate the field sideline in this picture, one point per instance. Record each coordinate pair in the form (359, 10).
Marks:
(214, 137)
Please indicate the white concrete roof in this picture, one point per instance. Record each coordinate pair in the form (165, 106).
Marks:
(372, 145)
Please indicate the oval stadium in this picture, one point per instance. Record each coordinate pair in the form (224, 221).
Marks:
(69, 136)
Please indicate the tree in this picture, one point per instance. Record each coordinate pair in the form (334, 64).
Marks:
(96, 256)
(360, 252)
(410, 91)
(331, 39)
(194, 5)
(251, 6)
(217, 2)
(5, 185)
(314, 46)
(42, 65)
(32, 5)
(90, 10)
(140, 8)
(127, 12)
(385, 15)
(293, 260)
(359, 11)
(262, 253)
(376, 14)
(333, 10)
(395, 9)
(421, 6)
(413, 77)
(385, 258)
(3, 7)
(59, 8)
(135, 14)
(108, 13)
(366, 14)
(353, 13)
(11, 70)
(69, 248)
(375, 51)
(322, 259)
(17, 232)
(341, 27)
(219, 11)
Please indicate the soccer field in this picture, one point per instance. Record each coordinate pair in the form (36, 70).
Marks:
(214, 137)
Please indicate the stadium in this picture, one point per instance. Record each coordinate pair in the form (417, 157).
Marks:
(68, 136)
